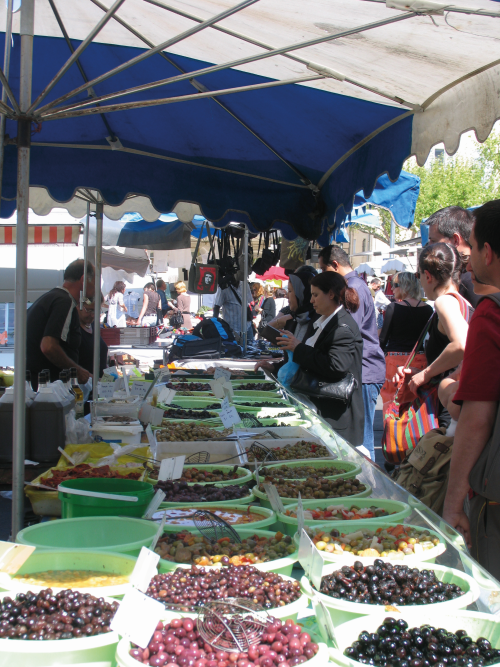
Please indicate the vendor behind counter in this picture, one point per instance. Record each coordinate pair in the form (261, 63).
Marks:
(87, 326)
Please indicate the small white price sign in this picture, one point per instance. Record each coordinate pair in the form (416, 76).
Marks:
(144, 570)
(156, 501)
(166, 396)
(171, 468)
(106, 389)
(222, 373)
(151, 438)
(274, 499)
(159, 532)
(140, 388)
(217, 388)
(137, 617)
(300, 515)
(325, 620)
(310, 559)
(229, 416)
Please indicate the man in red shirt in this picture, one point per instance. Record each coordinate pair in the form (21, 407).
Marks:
(479, 396)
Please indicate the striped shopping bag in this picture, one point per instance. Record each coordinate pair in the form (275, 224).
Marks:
(403, 428)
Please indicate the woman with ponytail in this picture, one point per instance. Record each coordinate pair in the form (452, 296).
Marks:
(332, 348)
(440, 269)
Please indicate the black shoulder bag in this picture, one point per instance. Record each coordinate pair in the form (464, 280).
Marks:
(306, 383)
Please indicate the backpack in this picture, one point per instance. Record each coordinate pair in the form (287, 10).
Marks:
(214, 327)
(192, 346)
(425, 471)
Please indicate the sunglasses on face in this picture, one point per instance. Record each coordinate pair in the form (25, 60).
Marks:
(395, 284)
(417, 273)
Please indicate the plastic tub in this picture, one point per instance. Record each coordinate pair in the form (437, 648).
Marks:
(287, 611)
(346, 558)
(124, 535)
(293, 501)
(402, 510)
(123, 659)
(222, 503)
(244, 475)
(476, 624)
(127, 434)
(267, 522)
(26, 653)
(78, 506)
(129, 408)
(97, 561)
(283, 566)
(352, 469)
(342, 611)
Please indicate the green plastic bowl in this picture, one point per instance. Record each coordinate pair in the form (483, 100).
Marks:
(123, 659)
(282, 566)
(352, 469)
(222, 503)
(401, 511)
(244, 477)
(475, 624)
(124, 535)
(342, 611)
(293, 501)
(347, 558)
(27, 653)
(268, 521)
(74, 506)
(96, 561)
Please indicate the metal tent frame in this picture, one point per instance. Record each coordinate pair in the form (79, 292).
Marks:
(25, 111)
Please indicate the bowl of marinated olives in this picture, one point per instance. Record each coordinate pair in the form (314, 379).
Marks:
(223, 475)
(344, 512)
(396, 542)
(312, 488)
(463, 638)
(65, 639)
(184, 589)
(301, 449)
(355, 590)
(243, 516)
(266, 550)
(299, 470)
(278, 642)
(198, 495)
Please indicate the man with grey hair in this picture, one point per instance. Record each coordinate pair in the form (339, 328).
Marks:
(453, 225)
(53, 326)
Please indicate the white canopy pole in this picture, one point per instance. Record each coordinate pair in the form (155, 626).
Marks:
(97, 302)
(6, 68)
(244, 303)
(83, 295)
(23, 181)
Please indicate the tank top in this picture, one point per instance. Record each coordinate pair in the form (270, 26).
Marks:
(153, 299)
(438, 341)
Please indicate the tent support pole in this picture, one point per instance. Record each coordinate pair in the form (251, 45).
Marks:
(392, 241)
(244, 323)
(83, 295)
(97, 320)
(21, 299)
(6, 68)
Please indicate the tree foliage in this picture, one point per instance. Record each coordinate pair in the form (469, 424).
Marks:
(454, 181)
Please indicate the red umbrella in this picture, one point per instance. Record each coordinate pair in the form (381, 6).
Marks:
(274, 273)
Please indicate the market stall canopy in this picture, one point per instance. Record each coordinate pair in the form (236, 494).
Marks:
(367, 268)
(43, 234)
(395, 265)
(252, 114)
(131, 260)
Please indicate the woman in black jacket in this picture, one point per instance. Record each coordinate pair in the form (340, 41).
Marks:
(332, 348)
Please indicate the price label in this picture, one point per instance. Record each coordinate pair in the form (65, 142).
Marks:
(137, 617)
(144, 570)
(222, 373)
(310, 559)
(300, 515)
(125, 380)
(156, 416)
(106, 389)
(151, 438)
(217, 388)
(139, 388)
(166, 395)
(274, 499)
(159, 532)
(325, 621)
(156, 501)
(171, 468)
(229, 416)
(228, 390)
(13, 556)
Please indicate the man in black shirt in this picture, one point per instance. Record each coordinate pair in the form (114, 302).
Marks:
(453, 224)
(53, 326)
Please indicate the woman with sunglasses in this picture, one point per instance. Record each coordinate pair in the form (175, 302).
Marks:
(439, 274)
